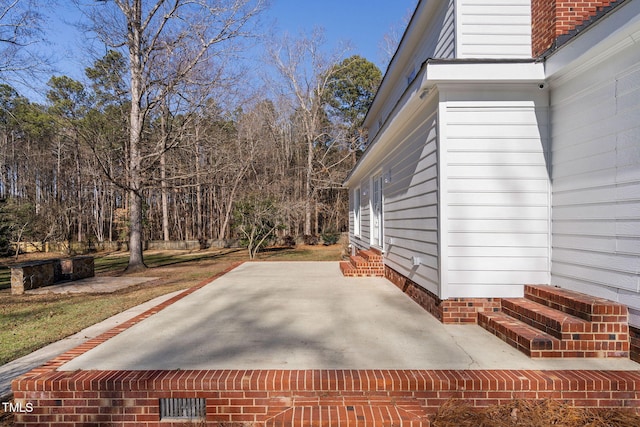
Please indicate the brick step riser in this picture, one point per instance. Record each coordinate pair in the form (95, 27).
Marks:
(347, 411)
(343, 417)
(358, 261)
(372, 259)
(514, 338)
(351, 271)
(548, 348)
(566, 329)
(362, 273)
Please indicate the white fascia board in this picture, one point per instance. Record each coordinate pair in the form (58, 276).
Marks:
(408, 105)
(482, 72)
(411, 39)
(612, 33)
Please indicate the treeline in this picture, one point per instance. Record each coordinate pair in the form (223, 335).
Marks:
(252, 167)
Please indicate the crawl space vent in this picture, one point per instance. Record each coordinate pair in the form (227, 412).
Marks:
(183, 408)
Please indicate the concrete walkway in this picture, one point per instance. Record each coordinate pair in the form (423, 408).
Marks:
(306, 315)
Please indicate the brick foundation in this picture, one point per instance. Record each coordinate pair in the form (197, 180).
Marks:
(451, 311)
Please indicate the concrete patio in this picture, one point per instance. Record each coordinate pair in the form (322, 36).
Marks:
(306, 315)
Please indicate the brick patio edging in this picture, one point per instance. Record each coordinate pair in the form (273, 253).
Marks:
(259, 397)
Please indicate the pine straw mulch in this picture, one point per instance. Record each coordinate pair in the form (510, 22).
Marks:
(531, 413)
(6, 419)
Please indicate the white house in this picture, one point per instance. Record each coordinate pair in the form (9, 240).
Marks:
(504, 150)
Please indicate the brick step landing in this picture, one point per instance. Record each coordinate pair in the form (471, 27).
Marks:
(365, 263)
(554, 322)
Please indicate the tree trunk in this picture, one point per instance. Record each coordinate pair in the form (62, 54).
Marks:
(136, 260)
(199, 212)
(165, 197)
(307, 189)
(80, 214)
(163, 173)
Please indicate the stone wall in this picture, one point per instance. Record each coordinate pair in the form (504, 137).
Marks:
(79, 267)
(32, 275)
(38, 274)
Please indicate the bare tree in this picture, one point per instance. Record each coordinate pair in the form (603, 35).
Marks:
(20, 30)
(306, 71)
(166, 42)
(391, 39)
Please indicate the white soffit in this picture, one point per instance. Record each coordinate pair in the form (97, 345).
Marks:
(489, 72)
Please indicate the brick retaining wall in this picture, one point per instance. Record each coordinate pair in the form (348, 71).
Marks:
(255, 396)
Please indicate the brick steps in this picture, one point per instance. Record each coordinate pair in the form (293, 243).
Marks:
(360, 414)
(544, 318)
(365, 263)
(554, 322)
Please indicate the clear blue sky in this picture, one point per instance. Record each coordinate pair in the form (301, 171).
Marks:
(361, 22)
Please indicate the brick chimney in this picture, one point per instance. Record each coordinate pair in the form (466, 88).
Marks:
(553, 18)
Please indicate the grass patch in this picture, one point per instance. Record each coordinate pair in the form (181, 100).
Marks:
(29, 322)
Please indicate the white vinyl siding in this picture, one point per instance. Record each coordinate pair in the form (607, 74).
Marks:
(596, 181)
(443, 34)
(411, 202)
(497, 200)
(493, 28)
